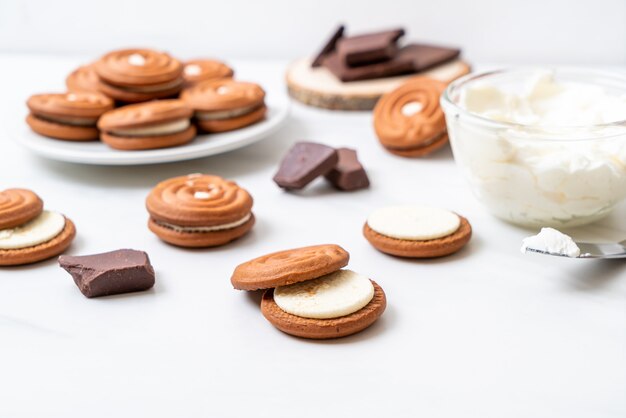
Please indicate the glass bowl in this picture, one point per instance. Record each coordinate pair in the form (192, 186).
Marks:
(539, 175)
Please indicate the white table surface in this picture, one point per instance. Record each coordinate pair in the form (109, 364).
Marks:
(487, 332)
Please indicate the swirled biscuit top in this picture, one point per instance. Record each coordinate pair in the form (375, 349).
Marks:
(83, 78)
(223, 94)
(18, 206)
(79, 104)
(195, 71)
(138, 67)
(410, 115)
(198, 200)
(290, 266)
(144, 114)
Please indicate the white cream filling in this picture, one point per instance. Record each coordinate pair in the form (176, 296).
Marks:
(213, 228)
(154, 130)
(43, 228)
(331, 296)
(551, 241)
(413, 222)
(224, 114)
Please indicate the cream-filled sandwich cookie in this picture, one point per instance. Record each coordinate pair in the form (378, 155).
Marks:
(199, 210)
(225, 105)
(41, 234)
(416, 231)
(308, 295)
(137, 75)
(68, 116)
(151, 125)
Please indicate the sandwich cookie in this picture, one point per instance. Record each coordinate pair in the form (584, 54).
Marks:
(195, 71)
(415, 231)
(225, 105)
(41, 234)
(138, 75)
(151, 125)
(199, 210)
(308, 294)
(68, 116)
(83, 79)
(409, 121)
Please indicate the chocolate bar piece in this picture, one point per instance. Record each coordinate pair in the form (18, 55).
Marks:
(370, 48)
(304, 162)
(348, 174)
(111, 273)
(409, 59)
(398, 65)
(328, 47)
(428, 56)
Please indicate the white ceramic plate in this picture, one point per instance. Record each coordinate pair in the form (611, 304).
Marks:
(100, 154)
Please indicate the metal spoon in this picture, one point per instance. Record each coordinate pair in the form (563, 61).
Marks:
(593, 250)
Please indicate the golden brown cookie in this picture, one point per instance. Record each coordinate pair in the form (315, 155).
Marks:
(422, 151)
(195, 71)
(156, 124)
(136, 75)
(69, 116)
(409, 120)
(83, 79)
(324, 328)
(225, 104)
(40, 252)
(199, 210)
(18, 206)
(437, 247)
(288, 267)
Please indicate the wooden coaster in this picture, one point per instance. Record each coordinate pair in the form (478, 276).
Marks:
(320, 88)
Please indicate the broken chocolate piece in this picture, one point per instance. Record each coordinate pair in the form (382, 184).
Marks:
(328, 47)
(369, 48)
(304, 162)
(120, 271)
(348, 174)
(409, 59)
(426, 57)
(398, 65)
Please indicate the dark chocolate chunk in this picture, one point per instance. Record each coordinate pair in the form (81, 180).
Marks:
(370, 48)
(348, 174)
(429, 56)
(328, 47)
(304, 162)
(409, 59)
(398, 65)
(111, 273)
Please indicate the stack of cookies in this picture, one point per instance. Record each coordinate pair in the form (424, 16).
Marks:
(131, 81)
(28, 233)
(309, 295)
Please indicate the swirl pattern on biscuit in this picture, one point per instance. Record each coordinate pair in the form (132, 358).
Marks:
(137, 66)
(199, 200)
(411, 114)
(223, 94)
(78, 103)
(18, 206)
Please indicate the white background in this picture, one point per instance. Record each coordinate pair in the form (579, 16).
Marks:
(485, 333)
(590, 32)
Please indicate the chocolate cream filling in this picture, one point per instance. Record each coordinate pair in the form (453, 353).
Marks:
(67, 120)
(153, 88)
(214, 228)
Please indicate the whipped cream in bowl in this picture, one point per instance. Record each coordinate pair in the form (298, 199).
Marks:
(541, 147)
